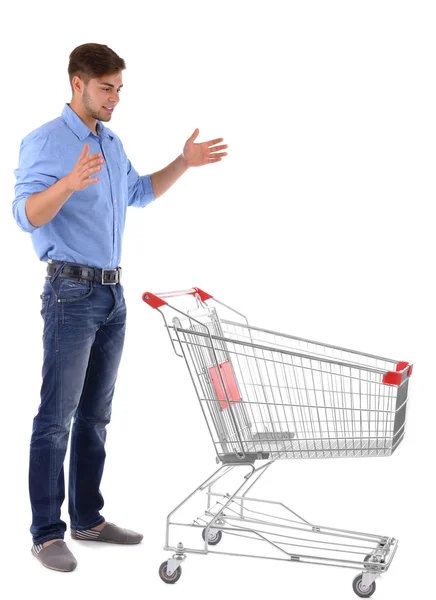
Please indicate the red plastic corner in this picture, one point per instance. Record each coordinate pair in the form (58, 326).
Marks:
(396, 377)
(153, 300)
(203, 295)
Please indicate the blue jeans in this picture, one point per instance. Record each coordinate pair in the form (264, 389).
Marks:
(84, 328)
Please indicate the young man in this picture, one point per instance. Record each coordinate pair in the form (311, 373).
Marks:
(74, 184)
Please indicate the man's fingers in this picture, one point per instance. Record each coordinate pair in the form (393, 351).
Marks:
(90, 160)
(96, 156)
(84, 153)
(212, 142)
(194, 135)
(90, 171)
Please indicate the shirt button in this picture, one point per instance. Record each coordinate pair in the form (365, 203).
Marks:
(115, 201)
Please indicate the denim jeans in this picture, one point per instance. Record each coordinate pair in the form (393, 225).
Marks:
(83, 338)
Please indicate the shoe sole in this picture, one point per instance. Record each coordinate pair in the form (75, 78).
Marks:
(76, 539)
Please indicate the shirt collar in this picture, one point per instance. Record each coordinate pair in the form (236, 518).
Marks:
(78, 127)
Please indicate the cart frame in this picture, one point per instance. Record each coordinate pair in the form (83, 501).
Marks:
(238, 515)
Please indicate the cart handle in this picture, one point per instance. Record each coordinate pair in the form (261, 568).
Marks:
(156, 301)
(403, 370)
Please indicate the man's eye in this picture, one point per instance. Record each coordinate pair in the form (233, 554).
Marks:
(108, 89)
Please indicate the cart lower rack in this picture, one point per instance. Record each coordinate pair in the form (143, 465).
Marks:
(266, 396)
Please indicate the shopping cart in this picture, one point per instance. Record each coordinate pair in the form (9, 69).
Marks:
(267, 396)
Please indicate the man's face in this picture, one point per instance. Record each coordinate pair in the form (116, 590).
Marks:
(101, 95)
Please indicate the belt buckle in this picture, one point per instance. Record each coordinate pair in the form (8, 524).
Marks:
(110, 282)
(102, 278)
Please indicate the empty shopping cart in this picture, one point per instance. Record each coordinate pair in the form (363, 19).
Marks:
(266, 396)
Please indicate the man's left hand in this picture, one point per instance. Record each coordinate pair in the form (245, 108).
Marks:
(204, 153)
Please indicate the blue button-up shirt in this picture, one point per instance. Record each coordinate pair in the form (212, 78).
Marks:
(89, 227)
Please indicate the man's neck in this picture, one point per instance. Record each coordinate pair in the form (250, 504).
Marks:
(89, 121)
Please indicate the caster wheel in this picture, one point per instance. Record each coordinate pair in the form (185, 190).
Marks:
(213, 539)
(361, 590)
(163, 574)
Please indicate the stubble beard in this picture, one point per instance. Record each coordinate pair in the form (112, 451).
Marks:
(90, 110)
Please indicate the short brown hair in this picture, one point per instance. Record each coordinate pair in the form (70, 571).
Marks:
(89, 61)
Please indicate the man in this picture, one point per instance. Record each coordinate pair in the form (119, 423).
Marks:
(74, 184)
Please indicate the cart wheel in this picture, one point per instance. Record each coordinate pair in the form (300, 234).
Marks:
(214, 539)
(361, 590)
(163, 574)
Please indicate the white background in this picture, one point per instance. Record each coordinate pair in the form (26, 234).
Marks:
(319, 222)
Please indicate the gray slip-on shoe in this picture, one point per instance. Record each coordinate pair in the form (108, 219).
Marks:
(110, 533)
(56, 556)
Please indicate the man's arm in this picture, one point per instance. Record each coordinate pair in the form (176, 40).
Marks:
(40, 194)
(144, 189)
(193, 155)
(162, 180)
(42, 207)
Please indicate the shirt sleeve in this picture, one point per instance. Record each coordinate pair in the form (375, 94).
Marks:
(36, 163)
(139, 187)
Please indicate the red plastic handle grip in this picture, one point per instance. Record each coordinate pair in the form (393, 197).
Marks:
(404, 369)
(156, 300)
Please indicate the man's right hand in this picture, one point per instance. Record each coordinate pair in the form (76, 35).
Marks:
(86, 165)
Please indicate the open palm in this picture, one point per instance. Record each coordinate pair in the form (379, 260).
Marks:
(203, 153)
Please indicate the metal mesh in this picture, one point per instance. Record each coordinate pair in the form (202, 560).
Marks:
(266, 392)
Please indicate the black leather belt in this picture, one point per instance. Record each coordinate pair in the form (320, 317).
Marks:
(102, 276)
